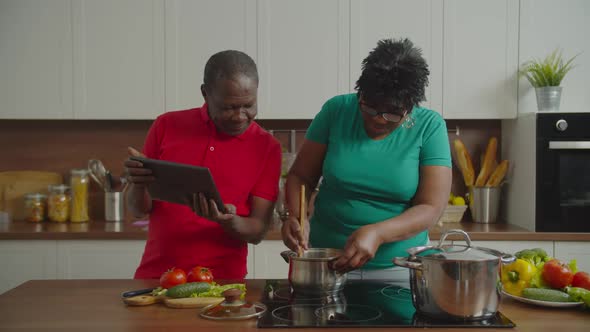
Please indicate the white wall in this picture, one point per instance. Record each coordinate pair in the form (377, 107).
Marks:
(549, 24)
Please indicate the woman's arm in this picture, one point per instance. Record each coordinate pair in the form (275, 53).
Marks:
(427, 207)
(306, 170)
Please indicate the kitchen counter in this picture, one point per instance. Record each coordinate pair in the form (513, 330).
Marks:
(128, 230)
(76, 305)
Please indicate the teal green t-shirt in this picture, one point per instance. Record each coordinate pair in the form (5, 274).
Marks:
(367, 181)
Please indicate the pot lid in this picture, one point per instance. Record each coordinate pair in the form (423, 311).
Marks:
(459, 252)
(233, 308)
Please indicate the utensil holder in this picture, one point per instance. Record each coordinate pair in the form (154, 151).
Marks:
(113, 206)
(484, 203)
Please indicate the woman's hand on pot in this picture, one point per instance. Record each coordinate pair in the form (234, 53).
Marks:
(360, 247)
(293, 237)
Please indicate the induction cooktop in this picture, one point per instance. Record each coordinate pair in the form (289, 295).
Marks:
(360, 304)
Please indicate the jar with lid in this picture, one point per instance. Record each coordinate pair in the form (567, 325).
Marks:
(35, 207)
(79, 184)
(59, 203)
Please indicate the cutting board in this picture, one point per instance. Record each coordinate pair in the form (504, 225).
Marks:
(15, 184)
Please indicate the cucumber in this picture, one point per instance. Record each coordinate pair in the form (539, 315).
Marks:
(542, 294)
(185, 290)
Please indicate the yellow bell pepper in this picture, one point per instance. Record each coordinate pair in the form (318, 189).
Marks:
(516, 276)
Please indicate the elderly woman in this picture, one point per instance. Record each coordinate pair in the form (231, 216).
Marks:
(385, 163)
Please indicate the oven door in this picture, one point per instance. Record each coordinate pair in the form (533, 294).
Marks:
(563, 182)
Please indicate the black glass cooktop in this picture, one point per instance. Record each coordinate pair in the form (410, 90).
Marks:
(359, 304)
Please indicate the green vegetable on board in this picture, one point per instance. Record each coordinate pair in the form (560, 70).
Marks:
(188, 289)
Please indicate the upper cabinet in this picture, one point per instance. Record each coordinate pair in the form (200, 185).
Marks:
(35, 59)
(195, 30)
(480, 60)
(546, 25)
(118, 59)
(421, 21)
(302, 56)
(135, 59)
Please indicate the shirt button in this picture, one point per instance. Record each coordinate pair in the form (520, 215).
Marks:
(211, 148)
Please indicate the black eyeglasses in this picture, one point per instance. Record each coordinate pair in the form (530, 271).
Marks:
(389, 116)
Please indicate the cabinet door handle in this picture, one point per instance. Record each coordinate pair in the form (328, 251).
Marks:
(569, 145)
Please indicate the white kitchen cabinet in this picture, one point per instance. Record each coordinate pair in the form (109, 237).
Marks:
(421, 21)
(118, 59)
(480, 59)
(98, 259)
(511, 247)
(580, 251)
(268, 263)
(35, 59)
(568, 21)
(23, 260)
(302, 56)
(195, 30)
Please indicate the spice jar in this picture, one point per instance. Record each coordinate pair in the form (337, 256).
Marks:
(58, 203)
(35, 207)
(79, 185)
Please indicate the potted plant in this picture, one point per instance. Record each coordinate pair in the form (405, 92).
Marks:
(546, 76)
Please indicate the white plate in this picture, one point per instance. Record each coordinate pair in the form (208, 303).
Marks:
(543, 303)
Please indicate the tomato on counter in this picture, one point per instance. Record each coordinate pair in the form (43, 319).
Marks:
(581, 280)
(173, 277)
(557, 274)
(200, 273)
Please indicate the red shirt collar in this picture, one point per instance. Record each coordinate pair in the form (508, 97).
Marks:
(211, 125)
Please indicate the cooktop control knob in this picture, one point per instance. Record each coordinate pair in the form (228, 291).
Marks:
(561, 125)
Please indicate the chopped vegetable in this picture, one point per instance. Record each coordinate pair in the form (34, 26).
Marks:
(516, 276)
(216, 290)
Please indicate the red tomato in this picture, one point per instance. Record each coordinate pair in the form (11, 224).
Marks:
(199, 273)
(582, 280)
(557, 274)
(172, 277)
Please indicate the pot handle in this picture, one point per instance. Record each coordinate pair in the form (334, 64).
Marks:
(505, 258)
(287, 254)
(404, 262)
(454, 231)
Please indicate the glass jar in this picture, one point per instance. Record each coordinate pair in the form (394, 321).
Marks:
(59, 203)
(79, 185)
(35, 207)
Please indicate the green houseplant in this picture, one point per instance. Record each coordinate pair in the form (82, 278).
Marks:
(545, 76)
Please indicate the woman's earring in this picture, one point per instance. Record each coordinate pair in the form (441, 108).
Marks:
(409, 122)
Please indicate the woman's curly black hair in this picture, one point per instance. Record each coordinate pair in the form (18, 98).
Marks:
(394, 72)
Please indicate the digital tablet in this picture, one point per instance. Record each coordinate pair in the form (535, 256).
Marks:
(176, 182)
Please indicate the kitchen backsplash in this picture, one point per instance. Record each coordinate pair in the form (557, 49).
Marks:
(60, 145)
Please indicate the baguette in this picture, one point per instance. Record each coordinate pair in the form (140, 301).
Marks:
(498, 174)
(487, 165)
(464, 161)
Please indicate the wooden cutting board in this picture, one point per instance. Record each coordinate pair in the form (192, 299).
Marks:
(180, 303)
(15, 184)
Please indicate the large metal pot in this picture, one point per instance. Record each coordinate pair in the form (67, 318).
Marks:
(457, 282)
(311, 273)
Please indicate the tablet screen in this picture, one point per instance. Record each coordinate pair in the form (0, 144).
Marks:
(176, 182)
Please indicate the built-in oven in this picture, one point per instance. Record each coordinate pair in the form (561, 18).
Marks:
(563, 172)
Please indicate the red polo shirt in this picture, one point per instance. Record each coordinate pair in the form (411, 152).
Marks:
(242, 166)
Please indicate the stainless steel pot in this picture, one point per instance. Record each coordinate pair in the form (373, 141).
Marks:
(311, 273)
(454, 281)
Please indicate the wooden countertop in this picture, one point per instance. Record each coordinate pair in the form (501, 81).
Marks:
(137, 230)
(88, 305)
